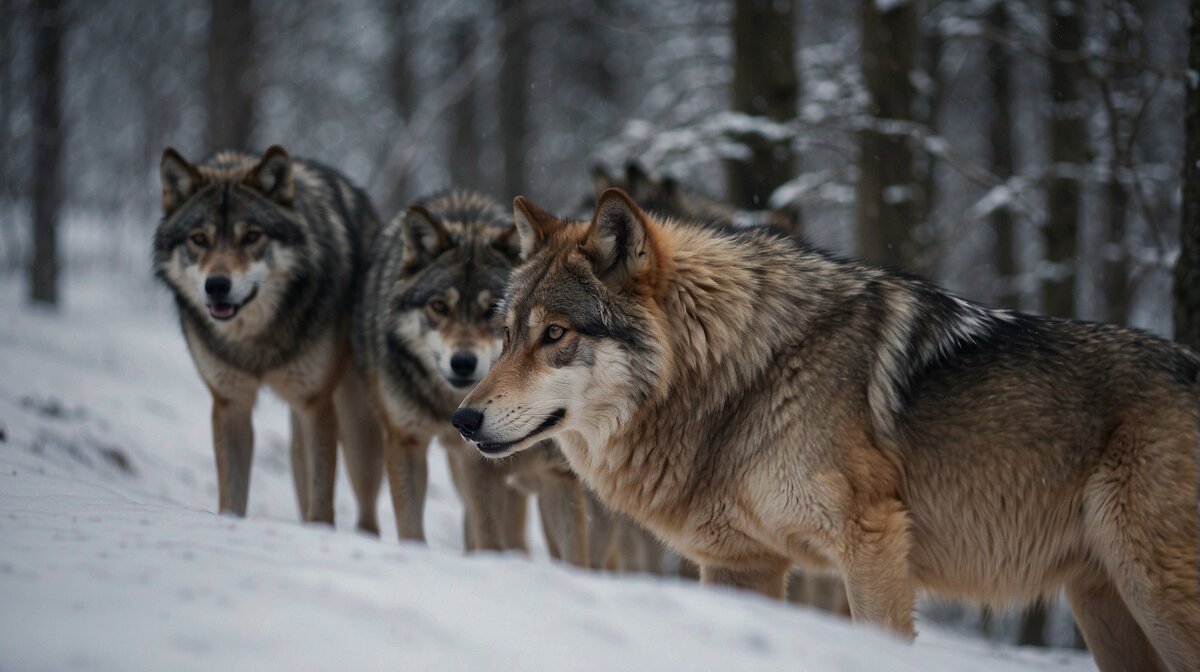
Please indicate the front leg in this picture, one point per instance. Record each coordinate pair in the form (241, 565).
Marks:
(876, 571)
(766, 577)
(233, 448)
(317, 421)
(481, 487)
(406, 460)
(560, 502)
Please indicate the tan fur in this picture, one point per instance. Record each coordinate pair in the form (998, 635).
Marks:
(771, 426)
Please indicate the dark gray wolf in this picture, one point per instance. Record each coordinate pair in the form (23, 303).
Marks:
(264, 256)
(758, 403)
(424, 336)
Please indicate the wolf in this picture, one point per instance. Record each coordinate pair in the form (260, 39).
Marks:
(424, 335)
(265, 255)
(758, 403)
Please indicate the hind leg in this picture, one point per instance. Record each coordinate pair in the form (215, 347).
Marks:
(1142, 523)
(406, 459)
(299, 472)
(1113, 636)
(766, 578)
(362, 448)
(600, 531)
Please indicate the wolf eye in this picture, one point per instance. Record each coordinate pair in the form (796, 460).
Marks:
(490, 311)
(251, 237)
(199, 239)
(553, 333)
(439, 306)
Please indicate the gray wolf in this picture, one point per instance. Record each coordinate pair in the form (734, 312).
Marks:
(264, 256)
(424, 335)
(759, 403)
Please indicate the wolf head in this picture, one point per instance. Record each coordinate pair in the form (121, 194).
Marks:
(581, 348)
(227, 242)
(458, 251)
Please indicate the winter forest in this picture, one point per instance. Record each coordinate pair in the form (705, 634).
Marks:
(1039, 155)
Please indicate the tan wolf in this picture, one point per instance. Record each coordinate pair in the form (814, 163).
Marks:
(758, 403)
(264, 256)
(424, 336)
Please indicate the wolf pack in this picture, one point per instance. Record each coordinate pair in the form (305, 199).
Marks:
(683, 386)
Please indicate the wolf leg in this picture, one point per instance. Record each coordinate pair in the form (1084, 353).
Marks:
(362, 446)
(299, 470)
(407, 459)
(318, 424)
(481, 486)
(560, 502)
(766, 578)
(1113, 636)
(600, 531)
(1142, 523)
(875, 568)
(233, 447)
(515, 506)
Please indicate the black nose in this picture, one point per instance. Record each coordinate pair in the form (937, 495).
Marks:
(218, 285)
(463, 363)
(467, 421)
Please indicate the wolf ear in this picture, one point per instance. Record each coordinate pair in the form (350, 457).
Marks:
(617, 240)
(424, 236)
(272, 176)
(179, 180)
(534, 225)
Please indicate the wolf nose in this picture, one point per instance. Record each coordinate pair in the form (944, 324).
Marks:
(467, 421)
(463, 363)
(218, 285)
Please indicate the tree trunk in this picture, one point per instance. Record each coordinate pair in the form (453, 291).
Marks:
(1123, 80)
(887, 186)
(514, 93)
(764, 85)
(47, 138)
(1187, 268)
(1068, 156)
(230, 80)
(401, 90)
(464, 141)
(999, 65)
(8, 174)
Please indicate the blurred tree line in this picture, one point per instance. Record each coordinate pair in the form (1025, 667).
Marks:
(1037, 154)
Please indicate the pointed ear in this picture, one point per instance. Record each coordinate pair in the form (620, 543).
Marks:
(272, 176)
(534, 225)
(424, 236)
(179, 180)
(637, 181)
(617, 240)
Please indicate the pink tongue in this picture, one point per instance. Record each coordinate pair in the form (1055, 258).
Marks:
(221, 310)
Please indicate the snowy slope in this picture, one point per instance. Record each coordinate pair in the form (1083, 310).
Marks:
(110, 557)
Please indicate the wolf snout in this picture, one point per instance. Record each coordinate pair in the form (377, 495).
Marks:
(467, 421)
(217, 286)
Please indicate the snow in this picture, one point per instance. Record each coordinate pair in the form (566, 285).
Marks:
(113, 560)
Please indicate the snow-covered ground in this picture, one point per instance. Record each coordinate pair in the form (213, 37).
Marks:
(111, 557)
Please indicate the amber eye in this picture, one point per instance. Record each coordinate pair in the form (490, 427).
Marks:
(439, 306)
(251, 237)
(553, 333)
(199, 240)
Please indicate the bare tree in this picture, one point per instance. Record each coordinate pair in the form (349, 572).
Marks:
(999, 68)
(1187, 268)
(765, 84)
(8, 103)
(1068, 155)
(464, 141)
(887, 185)
(514, 93)
(47, 161)
(230, 82)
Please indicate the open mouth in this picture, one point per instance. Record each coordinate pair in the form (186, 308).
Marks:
(224, 311)
(497, 448)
